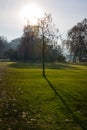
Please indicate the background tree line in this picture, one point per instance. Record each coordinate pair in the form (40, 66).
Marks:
(38, 42)
(30, 49)
(42, 39)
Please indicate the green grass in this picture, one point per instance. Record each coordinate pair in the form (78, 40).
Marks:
(31, 102)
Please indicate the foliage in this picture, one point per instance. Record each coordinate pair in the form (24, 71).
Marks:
(3, 43)
(26, 49)
(77, 41)
(12, 54)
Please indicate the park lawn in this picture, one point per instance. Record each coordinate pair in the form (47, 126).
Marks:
(30, 101)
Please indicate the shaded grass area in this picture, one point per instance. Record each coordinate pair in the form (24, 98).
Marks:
(51, 65)
(30, 101)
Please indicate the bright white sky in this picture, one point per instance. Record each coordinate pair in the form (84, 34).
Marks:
(65, 14)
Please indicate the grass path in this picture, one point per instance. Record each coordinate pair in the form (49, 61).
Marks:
(32, 102)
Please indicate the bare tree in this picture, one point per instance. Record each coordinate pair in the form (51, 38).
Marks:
(48, 34)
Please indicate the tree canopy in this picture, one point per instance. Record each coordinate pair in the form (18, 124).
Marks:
(77, 41)
(3, 43)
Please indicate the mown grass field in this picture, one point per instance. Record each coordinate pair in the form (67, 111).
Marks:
(29, 101)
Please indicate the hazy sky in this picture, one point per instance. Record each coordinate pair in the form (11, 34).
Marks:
(66, 13)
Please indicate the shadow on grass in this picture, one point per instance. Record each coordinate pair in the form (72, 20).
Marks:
(66, 105)
(23, 65)
(29, 65)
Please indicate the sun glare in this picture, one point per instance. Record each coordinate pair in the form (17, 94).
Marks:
(31, 13)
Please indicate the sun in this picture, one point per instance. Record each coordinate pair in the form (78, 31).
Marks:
(31, 13)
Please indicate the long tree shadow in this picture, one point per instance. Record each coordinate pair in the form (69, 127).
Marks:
(64, 102)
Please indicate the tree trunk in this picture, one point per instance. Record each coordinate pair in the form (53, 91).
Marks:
(43, 57)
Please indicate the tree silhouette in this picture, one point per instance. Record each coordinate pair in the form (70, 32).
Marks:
(48, 34)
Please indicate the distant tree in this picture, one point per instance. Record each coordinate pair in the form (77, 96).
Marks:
(60, 55)
(48, 35)
(3, 43)
(77, 41)
(26, 48)
(55, 54)
(12, 54)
